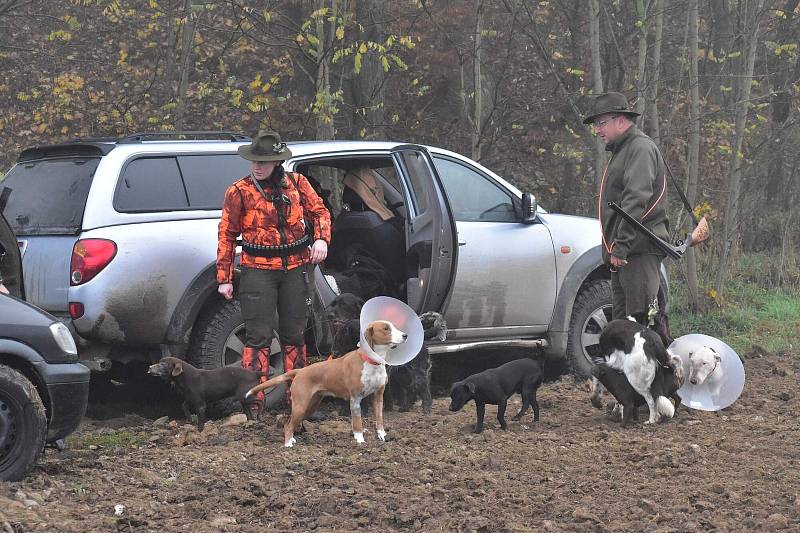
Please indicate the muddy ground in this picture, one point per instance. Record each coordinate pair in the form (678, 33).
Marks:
(573, 471)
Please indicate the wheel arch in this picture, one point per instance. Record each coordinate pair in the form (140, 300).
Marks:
(23, 359)
(195, 298)
(585, 270)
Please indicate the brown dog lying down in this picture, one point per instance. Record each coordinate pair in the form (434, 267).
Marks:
(351, 377)
(198, 387)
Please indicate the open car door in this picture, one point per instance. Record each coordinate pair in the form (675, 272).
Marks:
(432, 253)
(10, 258)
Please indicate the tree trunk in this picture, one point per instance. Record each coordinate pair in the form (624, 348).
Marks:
(369, 108)
(324, 119)
(693, 158)
(189, 25)
(653, 118)
(641, 70)
(731, 222)
(597, 82)
(780, 106)
(477, 116)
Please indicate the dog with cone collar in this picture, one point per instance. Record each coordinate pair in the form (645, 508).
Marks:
(352, 377)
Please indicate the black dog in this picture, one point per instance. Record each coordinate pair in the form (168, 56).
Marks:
(198, 387)
(496, 385)
(343, 314)
(666, 383)
(406, 382)
(413, 379)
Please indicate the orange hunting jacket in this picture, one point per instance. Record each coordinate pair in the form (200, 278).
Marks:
(247, 213)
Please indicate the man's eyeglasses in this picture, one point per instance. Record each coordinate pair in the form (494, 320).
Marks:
(601, 123)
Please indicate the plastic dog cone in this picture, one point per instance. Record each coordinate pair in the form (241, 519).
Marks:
(404, 318)
(722, 387)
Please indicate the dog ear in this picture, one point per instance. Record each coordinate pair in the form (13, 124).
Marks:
(470, 387)
(370, 331)
(177, 370)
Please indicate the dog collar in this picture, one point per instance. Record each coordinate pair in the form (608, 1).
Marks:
(367, 359)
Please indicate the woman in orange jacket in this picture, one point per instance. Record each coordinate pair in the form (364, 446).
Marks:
(285, 228)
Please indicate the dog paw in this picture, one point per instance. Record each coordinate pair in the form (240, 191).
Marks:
(359, 437)
(382, 435)
(289, 443)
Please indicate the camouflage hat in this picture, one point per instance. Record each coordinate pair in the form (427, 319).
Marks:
(267, 146)
(610, 103)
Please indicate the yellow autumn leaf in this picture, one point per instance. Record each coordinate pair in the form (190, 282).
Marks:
(340, 32)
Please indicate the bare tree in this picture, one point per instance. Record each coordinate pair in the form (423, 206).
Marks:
(597, 81)
(655, 78)
(693, 158)
(325, 128)
(369, 105)
(731, 221)
(477, 84)
(189, 19)
(641, 68)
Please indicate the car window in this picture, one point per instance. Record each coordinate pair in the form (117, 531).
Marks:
(473, 197)
(48, 196)
(208, 176)
(150, 184)
(330, 174)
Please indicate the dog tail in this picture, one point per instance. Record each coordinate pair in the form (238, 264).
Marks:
(283, 378)
(665, 407)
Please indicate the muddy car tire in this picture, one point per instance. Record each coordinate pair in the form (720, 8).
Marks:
(590, 314)
(218, 340)
(23, 425)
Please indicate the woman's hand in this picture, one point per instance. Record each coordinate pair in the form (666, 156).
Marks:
(319, 251)
(3, 289)
(226, 290)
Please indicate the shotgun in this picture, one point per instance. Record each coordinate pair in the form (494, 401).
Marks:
(675, 251)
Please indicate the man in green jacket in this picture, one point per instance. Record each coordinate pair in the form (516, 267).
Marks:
(635, 179)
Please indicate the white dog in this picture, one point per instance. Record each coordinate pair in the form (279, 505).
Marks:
(703, 363)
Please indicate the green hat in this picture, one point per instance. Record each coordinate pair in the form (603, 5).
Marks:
(610, 103)
(267, 146)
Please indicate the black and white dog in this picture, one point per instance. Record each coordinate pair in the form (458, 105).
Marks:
(639, 353)
(406, 382)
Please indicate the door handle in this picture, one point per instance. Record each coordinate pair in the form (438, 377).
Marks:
(461, 242)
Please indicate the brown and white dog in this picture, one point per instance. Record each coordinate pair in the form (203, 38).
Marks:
(352, 377)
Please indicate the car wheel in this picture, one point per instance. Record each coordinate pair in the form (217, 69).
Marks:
(590, 314)
(218, 340)
(23, 425)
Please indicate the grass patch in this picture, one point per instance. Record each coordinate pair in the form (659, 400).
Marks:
(110, 439)
(750, 315)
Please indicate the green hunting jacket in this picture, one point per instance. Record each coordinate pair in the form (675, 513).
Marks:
(635, 179)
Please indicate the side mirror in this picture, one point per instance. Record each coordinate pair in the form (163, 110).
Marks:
(528, 208)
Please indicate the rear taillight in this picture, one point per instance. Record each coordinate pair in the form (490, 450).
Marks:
(90, 256)
(75, 310)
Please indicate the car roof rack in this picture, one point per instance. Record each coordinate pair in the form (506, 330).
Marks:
(183, 135)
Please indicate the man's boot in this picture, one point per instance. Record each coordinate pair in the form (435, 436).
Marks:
(258, 361)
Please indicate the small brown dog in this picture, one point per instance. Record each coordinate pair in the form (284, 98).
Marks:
(198, 387)
(351, 377)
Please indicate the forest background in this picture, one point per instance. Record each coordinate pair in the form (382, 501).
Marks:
(506, 82)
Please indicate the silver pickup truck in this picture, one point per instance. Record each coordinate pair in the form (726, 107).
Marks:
(119, 239)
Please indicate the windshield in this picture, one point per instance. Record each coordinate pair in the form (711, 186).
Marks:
(48, 196)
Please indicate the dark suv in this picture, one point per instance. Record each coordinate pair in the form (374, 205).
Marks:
(43, 389)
